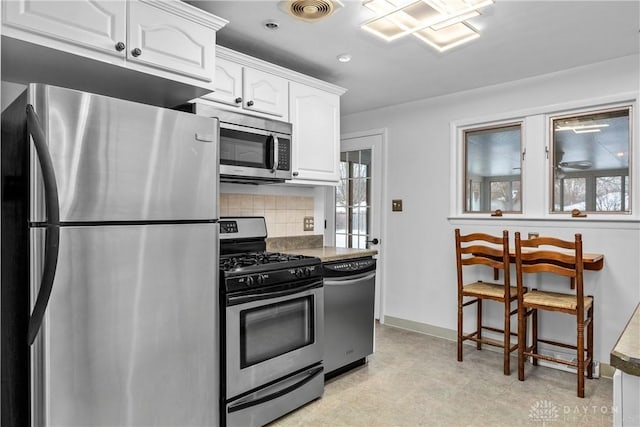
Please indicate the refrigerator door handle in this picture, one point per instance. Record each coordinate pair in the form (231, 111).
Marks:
(52, 236)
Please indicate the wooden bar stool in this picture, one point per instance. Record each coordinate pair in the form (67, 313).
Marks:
(563, 258)
(493, 252)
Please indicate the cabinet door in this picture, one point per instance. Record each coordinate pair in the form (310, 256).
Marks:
(265, 93)
(80, 24)
(168, 41)
(315, 116)
(228, 83)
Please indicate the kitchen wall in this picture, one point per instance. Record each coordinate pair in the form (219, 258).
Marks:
(284, 215)
(419, 289)
(284, 206)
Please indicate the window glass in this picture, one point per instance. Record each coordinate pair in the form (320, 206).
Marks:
(590, 161)
(353, 196)
(493, 169)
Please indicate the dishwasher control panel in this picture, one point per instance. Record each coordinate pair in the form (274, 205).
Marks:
(348, 267)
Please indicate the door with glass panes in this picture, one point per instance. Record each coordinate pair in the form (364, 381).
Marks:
(358, 197)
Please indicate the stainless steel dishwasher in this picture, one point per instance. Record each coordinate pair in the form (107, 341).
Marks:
(349, 293)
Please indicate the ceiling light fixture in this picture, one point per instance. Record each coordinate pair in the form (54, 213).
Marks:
(271, 25)
(344, 57)
(439, 23)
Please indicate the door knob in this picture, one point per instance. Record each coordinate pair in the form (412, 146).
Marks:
(250, 103)
(373, 241)
(120, 46)
(238, 100)
(136, 52)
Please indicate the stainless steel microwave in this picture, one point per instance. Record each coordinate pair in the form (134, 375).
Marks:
(253, 149)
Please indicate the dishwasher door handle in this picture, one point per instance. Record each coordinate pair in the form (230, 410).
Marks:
(349, 280)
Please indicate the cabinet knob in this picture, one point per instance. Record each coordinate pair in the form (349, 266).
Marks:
(249, 104)
(120, 46)
(136, 52)
(238, 100)
(295, 174)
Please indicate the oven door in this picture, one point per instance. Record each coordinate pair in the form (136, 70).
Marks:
(269, 337)
(254, 153)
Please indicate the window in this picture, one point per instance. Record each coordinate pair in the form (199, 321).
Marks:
(590, 161)
(493, 168)
(353, 196)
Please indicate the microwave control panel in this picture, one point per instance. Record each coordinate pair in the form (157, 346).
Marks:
(284, 154)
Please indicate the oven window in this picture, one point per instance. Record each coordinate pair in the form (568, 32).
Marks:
(244, 149)
(275, 329)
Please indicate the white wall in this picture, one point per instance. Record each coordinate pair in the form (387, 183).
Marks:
(419, 257)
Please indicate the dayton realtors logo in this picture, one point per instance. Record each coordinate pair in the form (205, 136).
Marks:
(544, 411)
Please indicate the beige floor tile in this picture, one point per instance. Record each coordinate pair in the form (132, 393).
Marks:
(415, 380)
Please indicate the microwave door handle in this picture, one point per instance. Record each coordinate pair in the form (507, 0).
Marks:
(276, 149)
(52, 236)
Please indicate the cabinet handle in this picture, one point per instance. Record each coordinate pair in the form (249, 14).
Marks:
(249, 104)
(295, 174)
(238, 100)
(120, 46)
(136, 52)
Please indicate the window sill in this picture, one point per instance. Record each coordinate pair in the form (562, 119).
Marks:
(591, 221)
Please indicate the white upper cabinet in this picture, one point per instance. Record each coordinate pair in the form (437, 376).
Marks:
(159, 37)
(95, 25)
(265, 93)
(228, 83)
(171, 42)
(315, 115)
(250, 89)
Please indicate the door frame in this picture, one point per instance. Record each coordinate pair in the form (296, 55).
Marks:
(330, 204)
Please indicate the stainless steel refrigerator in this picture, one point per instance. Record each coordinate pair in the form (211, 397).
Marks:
(109, 263)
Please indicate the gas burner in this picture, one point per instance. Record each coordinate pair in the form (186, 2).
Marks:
(239, 261)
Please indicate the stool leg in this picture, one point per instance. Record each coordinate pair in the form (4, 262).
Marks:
(522, 340)
(590, 343)
(580, 351)
(507, 336)
(479, 324)
(460, 328)
(534, 335)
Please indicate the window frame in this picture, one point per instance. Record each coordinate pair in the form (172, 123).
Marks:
(591, 177)
(501, 178)
(536, 181)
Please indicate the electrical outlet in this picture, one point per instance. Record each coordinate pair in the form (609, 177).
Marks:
(396, 205)
(307, 224)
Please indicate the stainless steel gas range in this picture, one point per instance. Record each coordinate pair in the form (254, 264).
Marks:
(273, 325)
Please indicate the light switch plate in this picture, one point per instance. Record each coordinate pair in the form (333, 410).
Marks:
(308, 223)
(396, 205)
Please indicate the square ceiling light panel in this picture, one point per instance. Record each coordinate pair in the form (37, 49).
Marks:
(448, 37)
(439, 23)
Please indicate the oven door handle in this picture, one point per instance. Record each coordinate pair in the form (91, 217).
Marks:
(243, 299)
(272, 396)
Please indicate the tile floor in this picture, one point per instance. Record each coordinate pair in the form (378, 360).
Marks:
(415, 380)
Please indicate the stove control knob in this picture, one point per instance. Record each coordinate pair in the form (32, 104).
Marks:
(249, 281)
(299, 272)
(260, 279)
(307, 271)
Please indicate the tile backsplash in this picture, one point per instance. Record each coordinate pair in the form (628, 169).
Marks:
(284, 215)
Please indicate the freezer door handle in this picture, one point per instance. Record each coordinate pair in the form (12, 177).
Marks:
(52, 236)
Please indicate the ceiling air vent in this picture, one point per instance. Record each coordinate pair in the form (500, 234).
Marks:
(310, 10)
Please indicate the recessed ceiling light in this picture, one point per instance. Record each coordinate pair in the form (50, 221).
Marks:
(271, 25)
(344, 57)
